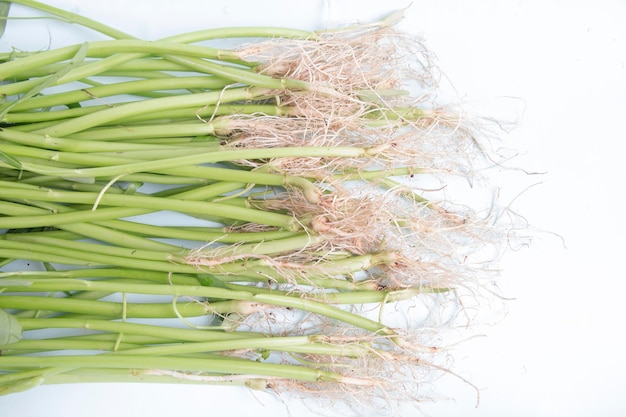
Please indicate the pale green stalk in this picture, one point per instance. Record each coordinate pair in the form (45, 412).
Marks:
(136, 201)
(119, 310)
(121, 88)
(223, 366)
(186, 165)
(209, 292)
(48, 345)
(191, 160)
(126, 110)
(103, 49)
(129, 329)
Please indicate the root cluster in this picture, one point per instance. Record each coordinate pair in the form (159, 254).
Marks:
(359, 97)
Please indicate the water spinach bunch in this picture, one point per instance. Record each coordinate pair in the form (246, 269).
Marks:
(292, 182)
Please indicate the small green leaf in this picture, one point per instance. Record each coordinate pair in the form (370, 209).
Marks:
(208, 280)
(49, 80)
(132, 187)
(5, 261)
(48, 266)
(9, 160)
(21, 385)
(10, 329)
(4, 13)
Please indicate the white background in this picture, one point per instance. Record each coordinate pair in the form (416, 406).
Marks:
(560, 350)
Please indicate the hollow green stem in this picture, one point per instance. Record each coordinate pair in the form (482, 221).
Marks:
(65, 246)
(109, 272)
(129, 87)
(99, 375)
(94, 231)
(148, 67)
(43, 253)
(153, 105)
(131, 329)
(192, 160)
(118, 310)
(47, 345)
(209, 292)
(73, 18)
(141, 202)
(201, 234)
(295, 344)
(87, 145)
(151, 131)
(103, 49)
(224, 365)
(176, 166)
(184, 113)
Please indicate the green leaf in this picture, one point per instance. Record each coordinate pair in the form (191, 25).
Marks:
(9, 160)
(21, 385)
(132, 187)
(4, 13)
(208, 280)
(10, 329)
(48, 266)
(5, 261)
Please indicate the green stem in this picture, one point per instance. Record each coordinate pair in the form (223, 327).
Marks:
(201, 234)
(294, 243)
(88, 145)
(64, 246)
(170, 130)
(224, 365)
(243, 76)
(351, 297)
(104, 49)
(191, 37)
(126, 110)
(136, 201)
(208, 292)
(93, 231)
(131, 329)
(73, 18)
(123, 273)
(262, 275)
(46, 116)
(223, 262)
(171, 164)
(43, 253)
(184, 113)
(129, 87)
(263, 270)
(150, 67)
(176, 166)
(89, 375)
(47, 345)
(117, 310)
(294, 344)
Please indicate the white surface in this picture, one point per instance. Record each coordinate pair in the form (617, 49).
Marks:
(559, 351)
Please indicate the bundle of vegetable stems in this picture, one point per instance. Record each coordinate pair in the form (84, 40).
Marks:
(295, 169)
